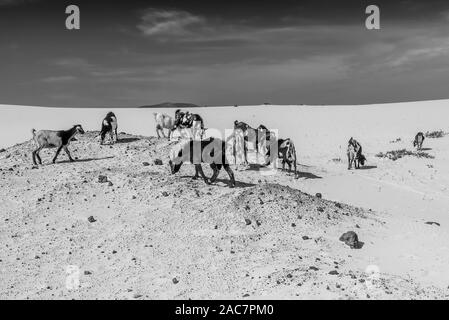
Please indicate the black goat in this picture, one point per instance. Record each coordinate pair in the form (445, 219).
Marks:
(212, 151)
(109, 125)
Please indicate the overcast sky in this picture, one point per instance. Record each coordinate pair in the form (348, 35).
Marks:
(131, 53)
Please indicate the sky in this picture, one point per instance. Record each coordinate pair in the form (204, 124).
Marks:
(133, 53)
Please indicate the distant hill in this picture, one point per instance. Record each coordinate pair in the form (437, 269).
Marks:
(173, 105)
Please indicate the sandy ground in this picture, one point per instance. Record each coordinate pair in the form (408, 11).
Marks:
(157, 235)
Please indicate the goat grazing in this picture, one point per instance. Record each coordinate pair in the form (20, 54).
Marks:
(419, 139)
(163, 122)
(109, 125)
(54, 139)
(212, 151)
(187, 120)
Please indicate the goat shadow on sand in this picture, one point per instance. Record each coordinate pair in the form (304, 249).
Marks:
(367, 167)
(127, 140)
(300, 174)
(238, 184)
(83, 160)
(425, 149)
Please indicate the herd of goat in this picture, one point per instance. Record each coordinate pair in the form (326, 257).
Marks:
(193, 125)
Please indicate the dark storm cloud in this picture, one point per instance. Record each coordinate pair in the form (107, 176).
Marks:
(210, 52)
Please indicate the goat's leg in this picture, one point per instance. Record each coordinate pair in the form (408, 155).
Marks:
(57, 153)
(283, 164)
(116, 136)
(231, 174)
(66, 149)
(38, 155)
(245, 152)
(200, 170)
(197, 173)
(215, 174)
(33, 155)
(103, 135)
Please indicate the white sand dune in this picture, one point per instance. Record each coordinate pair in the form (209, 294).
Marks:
(403, 194)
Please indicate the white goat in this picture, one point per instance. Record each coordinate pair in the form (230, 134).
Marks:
(163, 122)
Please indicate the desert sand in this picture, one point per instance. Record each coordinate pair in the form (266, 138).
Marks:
(156, 235)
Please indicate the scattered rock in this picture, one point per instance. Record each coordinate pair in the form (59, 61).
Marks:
(110, 184)
(305, 238)
(158, 162)
(351, 239)
(87, 273)
(165, 194)
(313, 268)
(102, 179)
(145, 164)
(333, 272)
(246, 295)
(2, 150)
(320, 209)
(175, 281)
(137, 296)
(319, 195)
(91, 219)
(433, 223)
(248, 222)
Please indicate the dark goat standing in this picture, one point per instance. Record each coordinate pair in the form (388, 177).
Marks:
(419, 139)
(109, 125)
(51, 139)
(287, 152)
(212, 151)
(190, 121)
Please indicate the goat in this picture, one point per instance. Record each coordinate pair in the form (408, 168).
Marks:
(187, 120)
(287, 152)
(163, 122)
(109, 125)
(50, 139)
(355, 156)
(212, 151)
(258, 136)
(419, 139)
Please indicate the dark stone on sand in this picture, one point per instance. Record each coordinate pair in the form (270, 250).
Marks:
(319, 195)
(351, 239)
(158, 162)
(91, 219)
(102, 179)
